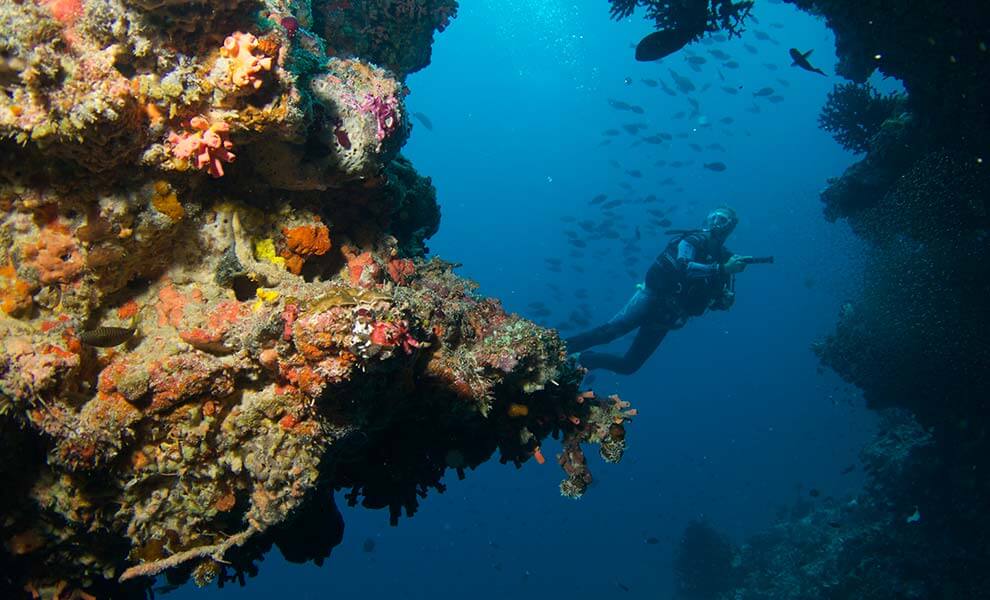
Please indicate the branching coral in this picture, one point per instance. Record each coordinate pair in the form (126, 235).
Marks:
(693, 17)
(853, 114)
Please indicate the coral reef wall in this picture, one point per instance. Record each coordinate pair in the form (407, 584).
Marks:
(915, 341)
(216, 306)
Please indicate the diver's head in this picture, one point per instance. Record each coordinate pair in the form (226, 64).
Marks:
(720, 222)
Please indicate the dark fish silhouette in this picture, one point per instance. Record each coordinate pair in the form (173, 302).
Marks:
(654, 139)
(731, 64)
(649, 82)
(652, 541)
(727, 120)
(762, 35)
(696, 60)
(424, 120)
(660, 44)
(618, 104)
(719, 54)
(636, 109)
(667, 89)
(718, 167)
(368, 545)
(611, 132)
(730, 90)
(801, 61)
(598, 199)
(750, 48)
(634, 173)
(683, 84)
(767, 91)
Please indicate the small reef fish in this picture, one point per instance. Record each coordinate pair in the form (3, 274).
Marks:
(696, 60)
(719, 54)
(424, 120)
(649, 82)
(660, 44)
(750, 48)
(598, 199)
(801, 61)
(107, 337)
(718, 167)
(730, 90)
(342, 296)
(636, 109)
(762, 92)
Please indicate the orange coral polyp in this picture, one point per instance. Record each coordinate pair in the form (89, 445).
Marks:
(245, 66)
(302, 242)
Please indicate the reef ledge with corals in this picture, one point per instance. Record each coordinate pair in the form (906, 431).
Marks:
(215, 300)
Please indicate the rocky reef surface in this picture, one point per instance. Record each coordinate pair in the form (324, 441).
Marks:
(216, 306)
(915, 340)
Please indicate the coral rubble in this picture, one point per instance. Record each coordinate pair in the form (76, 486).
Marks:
(216, 305)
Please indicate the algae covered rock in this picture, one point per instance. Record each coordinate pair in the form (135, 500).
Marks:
(235, 318)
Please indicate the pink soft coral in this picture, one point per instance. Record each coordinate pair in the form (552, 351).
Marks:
(206, 146)
(386, 112)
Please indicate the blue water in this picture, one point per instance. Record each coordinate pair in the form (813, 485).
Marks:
(735, 417)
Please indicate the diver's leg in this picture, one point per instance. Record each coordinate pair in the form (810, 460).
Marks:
(644, 345)
(622, 323)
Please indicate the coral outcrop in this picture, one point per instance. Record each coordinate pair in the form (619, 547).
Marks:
(217, 308)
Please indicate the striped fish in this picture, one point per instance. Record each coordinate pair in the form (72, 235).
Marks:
(106, 337)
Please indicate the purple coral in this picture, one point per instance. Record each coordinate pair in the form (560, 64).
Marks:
(386, 113)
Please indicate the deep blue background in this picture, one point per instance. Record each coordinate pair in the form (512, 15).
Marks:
(735, 417)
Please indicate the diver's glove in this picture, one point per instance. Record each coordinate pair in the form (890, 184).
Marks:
(735, 264)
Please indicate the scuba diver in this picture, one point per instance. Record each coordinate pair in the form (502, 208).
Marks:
(693, 274)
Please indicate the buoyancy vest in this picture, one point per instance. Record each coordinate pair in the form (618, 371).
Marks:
(667, 276)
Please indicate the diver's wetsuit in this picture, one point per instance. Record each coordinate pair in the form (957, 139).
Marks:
(685, 280)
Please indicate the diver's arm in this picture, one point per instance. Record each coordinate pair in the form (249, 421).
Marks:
(695, 270)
